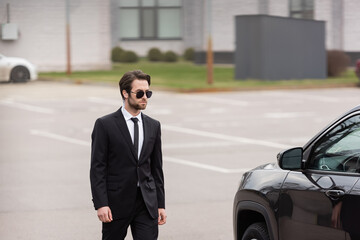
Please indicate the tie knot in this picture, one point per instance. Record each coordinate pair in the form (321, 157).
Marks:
(134, 119)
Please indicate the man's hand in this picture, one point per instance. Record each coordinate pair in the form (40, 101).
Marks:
(104, 214)
(162, 216)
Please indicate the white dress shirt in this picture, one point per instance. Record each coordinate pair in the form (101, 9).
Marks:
(130, 125)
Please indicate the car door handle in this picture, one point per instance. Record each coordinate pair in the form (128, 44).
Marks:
(334, 194)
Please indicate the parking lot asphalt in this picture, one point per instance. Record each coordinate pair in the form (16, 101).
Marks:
(209, 140)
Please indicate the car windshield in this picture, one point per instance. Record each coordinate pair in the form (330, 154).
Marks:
(339, 149)
(346, 144)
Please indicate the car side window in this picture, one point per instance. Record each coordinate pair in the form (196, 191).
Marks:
(339, 149)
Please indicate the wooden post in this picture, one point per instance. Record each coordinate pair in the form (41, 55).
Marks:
(210, 61)
(209, 53)
(68, 49)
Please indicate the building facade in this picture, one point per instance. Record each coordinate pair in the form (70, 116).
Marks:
(96, 26)
(41, 33)
(196, 20)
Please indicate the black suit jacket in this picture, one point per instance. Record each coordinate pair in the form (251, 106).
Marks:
(116, 170)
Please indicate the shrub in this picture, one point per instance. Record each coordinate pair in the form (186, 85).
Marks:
(189, 54)
(170, 56)
(116, 54)
(337, 62)
(357, 69)
(155, 55)
(129, 56)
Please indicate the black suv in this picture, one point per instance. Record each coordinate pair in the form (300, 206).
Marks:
(312, 193)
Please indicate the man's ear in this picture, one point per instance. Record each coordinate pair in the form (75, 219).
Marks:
(125, 94)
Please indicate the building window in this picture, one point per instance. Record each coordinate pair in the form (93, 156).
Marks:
(149, 19)
(302, 9)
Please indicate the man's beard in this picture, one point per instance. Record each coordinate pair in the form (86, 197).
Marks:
(135, 105)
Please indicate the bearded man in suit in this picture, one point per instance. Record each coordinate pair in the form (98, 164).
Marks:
(126, 174)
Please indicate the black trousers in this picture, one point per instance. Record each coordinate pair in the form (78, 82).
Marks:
(143, 226)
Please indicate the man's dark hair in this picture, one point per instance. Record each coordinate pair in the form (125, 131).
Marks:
(126, 80)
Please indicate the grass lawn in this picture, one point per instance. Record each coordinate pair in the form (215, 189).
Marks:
(185, 76)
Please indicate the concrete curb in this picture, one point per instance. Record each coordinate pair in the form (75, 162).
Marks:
(208, 89)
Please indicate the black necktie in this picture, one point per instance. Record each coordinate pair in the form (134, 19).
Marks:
(136, 135)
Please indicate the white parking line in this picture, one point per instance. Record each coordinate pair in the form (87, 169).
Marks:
(204, 166)
(199, 145)
(282, 115)
(216, 100)
(225, 137)
(104, 101)
(301, 96)
(27, 107)
(59, 137)
(117, 102)
(166, 159)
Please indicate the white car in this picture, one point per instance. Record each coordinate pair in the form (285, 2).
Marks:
(16, 69)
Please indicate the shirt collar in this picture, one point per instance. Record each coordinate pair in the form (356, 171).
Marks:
(128, 116)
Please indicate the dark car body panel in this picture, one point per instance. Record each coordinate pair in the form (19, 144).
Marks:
(306, 210)
(302, 203)
(260, 189)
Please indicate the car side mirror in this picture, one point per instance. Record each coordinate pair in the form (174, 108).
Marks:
(291, 159)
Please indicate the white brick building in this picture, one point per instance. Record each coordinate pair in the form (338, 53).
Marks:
(138, 25)
(42, 33)
(341, 16)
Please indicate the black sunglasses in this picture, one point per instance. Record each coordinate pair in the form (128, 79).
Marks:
(140, 94)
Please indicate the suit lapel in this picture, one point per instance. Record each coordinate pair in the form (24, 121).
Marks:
(146, 127)
(120, 122)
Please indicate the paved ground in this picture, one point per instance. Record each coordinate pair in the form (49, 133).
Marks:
(209, 140)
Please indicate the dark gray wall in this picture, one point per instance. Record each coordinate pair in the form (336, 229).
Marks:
(223, 57)
(276, 48)
(354, 56)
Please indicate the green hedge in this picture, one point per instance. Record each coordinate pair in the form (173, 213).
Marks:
(120, 55)
(155, 55)
(337, 62)
(189, 54)
(170, 56)
(116, 54)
